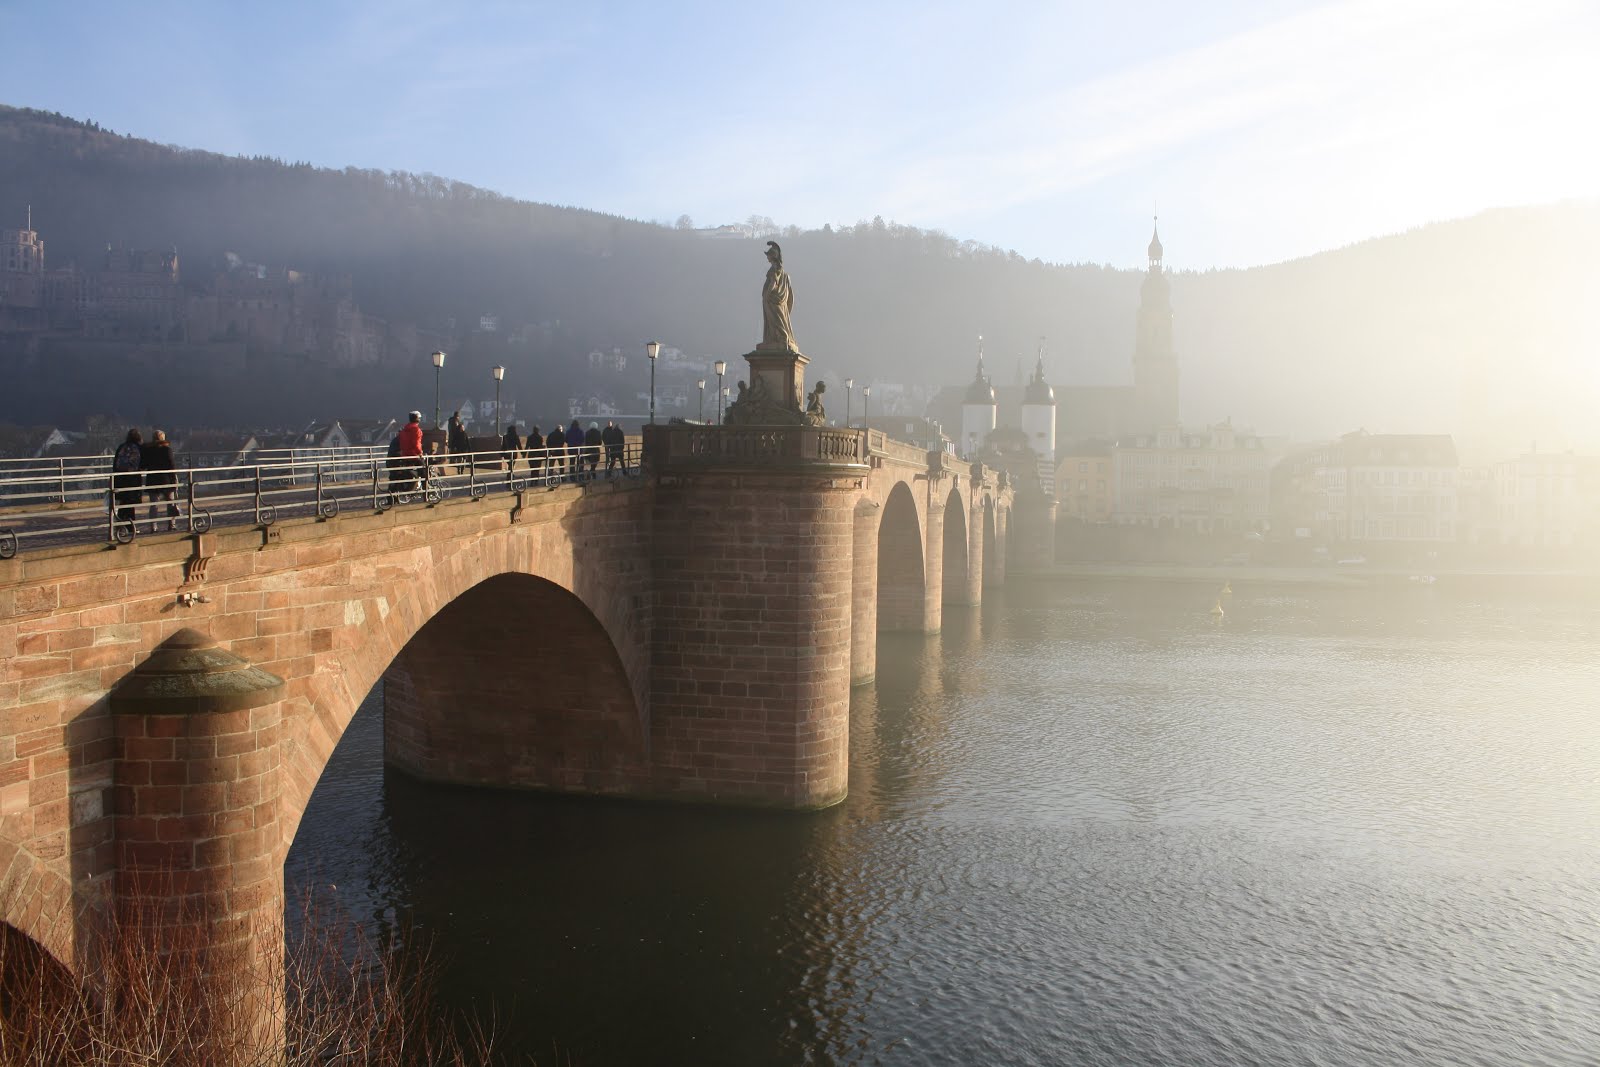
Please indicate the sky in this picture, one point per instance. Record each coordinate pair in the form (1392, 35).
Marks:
(1259, 130)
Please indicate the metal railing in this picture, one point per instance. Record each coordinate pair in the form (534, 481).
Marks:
(60, 503)
(70, 473)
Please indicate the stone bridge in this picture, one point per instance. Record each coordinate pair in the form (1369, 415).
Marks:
(167, 706)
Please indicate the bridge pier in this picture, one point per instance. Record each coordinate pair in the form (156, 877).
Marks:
(932, 620)
(864, 592)
(975, 545)
(752, 545)
(199, 880)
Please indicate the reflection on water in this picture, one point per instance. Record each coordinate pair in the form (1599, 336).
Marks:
(1092, 824)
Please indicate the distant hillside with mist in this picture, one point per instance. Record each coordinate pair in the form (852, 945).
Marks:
(1483, 327)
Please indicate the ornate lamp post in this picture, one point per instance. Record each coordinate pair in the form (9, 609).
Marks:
(722, 398)
(866, 403)
(702, 384)
(499, 373)
(438, 365)
(720, 366)
(653, 349)
(849, 384)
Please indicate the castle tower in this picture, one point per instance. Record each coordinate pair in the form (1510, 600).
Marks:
(21, 250)
(1155, 363)
(1039, 422)
(977, 410)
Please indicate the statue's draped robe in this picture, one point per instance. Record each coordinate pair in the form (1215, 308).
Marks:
(776, 301)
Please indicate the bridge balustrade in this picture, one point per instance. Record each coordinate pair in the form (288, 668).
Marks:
(58, 502)
(763, 445)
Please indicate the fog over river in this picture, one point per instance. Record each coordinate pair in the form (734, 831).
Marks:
(1088, 824)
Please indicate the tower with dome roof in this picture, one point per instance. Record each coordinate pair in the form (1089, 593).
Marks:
(977, 410)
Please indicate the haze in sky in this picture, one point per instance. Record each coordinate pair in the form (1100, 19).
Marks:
(1260, 129)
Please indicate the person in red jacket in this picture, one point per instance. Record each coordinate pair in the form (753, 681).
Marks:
(411, 446)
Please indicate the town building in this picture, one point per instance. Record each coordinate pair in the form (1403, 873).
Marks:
(1544, 500)
(1213, 481)
(1371, 489)
(1085, 483)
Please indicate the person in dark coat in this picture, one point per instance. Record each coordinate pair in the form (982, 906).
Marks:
(127, 483)
(160, 480)
(591, 447)
(575, 450)
(556, 451)
(456, 438)
(613, 438)
(396, 466)
(535, 452)
(510, 445)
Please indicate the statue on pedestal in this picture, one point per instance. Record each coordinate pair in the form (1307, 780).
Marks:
(777, 366)
(777, 300)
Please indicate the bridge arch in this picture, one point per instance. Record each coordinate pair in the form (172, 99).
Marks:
(594, 592)
(515, 683)
(902, 583)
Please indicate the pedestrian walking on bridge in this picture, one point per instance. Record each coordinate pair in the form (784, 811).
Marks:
(614, 440)
(160, 479)
(511, 444)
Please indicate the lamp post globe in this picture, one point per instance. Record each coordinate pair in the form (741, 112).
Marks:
(652, 349)
(438, 365)
(720, 366)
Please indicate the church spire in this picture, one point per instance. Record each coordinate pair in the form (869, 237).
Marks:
(1155, 361)
(980, 391)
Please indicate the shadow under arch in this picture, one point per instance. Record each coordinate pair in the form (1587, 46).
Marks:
(515, 684)
(39, 907)
(29, 973)
(901, 582)
(955, 564)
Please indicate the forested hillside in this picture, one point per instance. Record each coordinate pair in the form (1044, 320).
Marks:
(1487, 319)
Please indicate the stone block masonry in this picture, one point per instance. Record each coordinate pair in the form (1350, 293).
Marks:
(750, 647)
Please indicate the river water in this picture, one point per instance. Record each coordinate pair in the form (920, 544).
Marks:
(1088, 824)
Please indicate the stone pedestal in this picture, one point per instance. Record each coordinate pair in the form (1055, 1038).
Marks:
(781, 372)
(775, 393)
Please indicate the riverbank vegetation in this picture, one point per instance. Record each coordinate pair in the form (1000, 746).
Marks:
(335, 996)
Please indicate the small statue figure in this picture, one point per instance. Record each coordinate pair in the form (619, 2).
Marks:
(815, 415)
(777, 299)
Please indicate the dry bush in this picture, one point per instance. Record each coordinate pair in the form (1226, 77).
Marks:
(334, 996)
